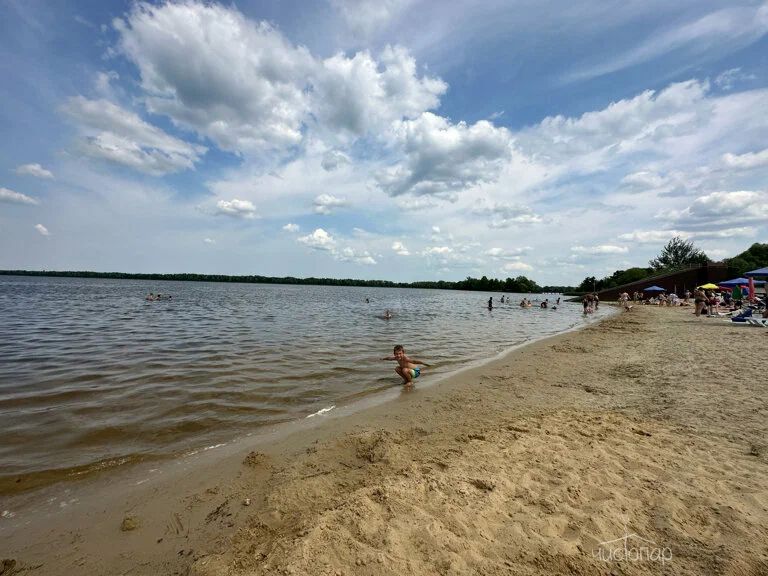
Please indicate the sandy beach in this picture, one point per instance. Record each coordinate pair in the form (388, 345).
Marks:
(638, 445)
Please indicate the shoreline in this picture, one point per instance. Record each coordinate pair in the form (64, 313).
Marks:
(49, 480)
(488, 471)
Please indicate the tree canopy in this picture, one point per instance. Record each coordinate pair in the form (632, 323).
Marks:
(678, 253)
(756, 256)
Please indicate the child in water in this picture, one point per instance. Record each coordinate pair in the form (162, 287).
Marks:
(407, 367)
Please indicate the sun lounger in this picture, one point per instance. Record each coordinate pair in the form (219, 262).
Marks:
(761, 322)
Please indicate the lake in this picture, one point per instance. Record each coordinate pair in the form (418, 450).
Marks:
(93, 376)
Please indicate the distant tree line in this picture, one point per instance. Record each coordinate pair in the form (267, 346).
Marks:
(676, 254)
(519, 284)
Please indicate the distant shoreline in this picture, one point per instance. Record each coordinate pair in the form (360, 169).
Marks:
(473, 284)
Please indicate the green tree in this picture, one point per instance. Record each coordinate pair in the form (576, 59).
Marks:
(678, 253)
(756, 256)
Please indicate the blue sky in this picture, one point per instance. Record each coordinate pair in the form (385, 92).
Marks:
(395, 139)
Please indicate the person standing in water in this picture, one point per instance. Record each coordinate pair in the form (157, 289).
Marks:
(490, 303)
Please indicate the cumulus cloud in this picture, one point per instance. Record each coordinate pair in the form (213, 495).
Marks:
(516, 267)
(319, 240)
(623, 126)
(12, 197)
(118, 135)
(34, 170)
(212, 70)
(721, 210)
(242, 84)
(42, 230)
(438, 250)
(290, 227)
(209, 240)
(599, 249)
(746, 161)
(442, 159)
(664, 236)
(360, 94)
(322, 240)
(333, 159)
(506, 215)
(236, 208)
(348, 254)
(507, 254)
(651, 236)
(400, 249)
(326, 203)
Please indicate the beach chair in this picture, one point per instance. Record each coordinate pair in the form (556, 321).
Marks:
(761, 322)
(742, 317)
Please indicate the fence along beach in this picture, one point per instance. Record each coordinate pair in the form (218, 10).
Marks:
(536, 463)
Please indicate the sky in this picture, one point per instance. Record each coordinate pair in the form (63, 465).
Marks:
(401, 140)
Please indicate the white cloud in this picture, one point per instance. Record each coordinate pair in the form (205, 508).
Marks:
(34, 170)
(358, 95)
(730, 78)
(42, 230)
(740, 232)
(367, 16)
(120, 136)
(506, 254)
(444, 159)
(319, 240)
(236, 208)
(333, 159)
(12, 197)
(748, 160)
(326, 203)
(516, 267)
(664, 236)
(721, 209)
(622, 127)
(651, 236)
(400, 249)
(720, 32)
(290, 227)
(600, 249)
(644, 179)
(348, 254)
(438, 250)
(246, 87)
(211, 69)
(506, 215)
(209, 240)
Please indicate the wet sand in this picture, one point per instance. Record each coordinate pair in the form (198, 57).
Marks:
(651, 425)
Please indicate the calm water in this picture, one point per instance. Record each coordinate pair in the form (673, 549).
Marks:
(92, 376)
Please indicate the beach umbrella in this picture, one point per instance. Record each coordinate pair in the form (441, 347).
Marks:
(709, 286)
(758, 272)
(654, 289)
(735, 282)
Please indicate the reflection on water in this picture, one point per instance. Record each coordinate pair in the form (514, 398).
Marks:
(94, 376)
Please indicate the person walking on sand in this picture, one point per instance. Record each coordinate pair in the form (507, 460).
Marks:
(407, 368)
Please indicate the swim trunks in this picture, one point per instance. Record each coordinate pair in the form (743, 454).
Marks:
(415, 372)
